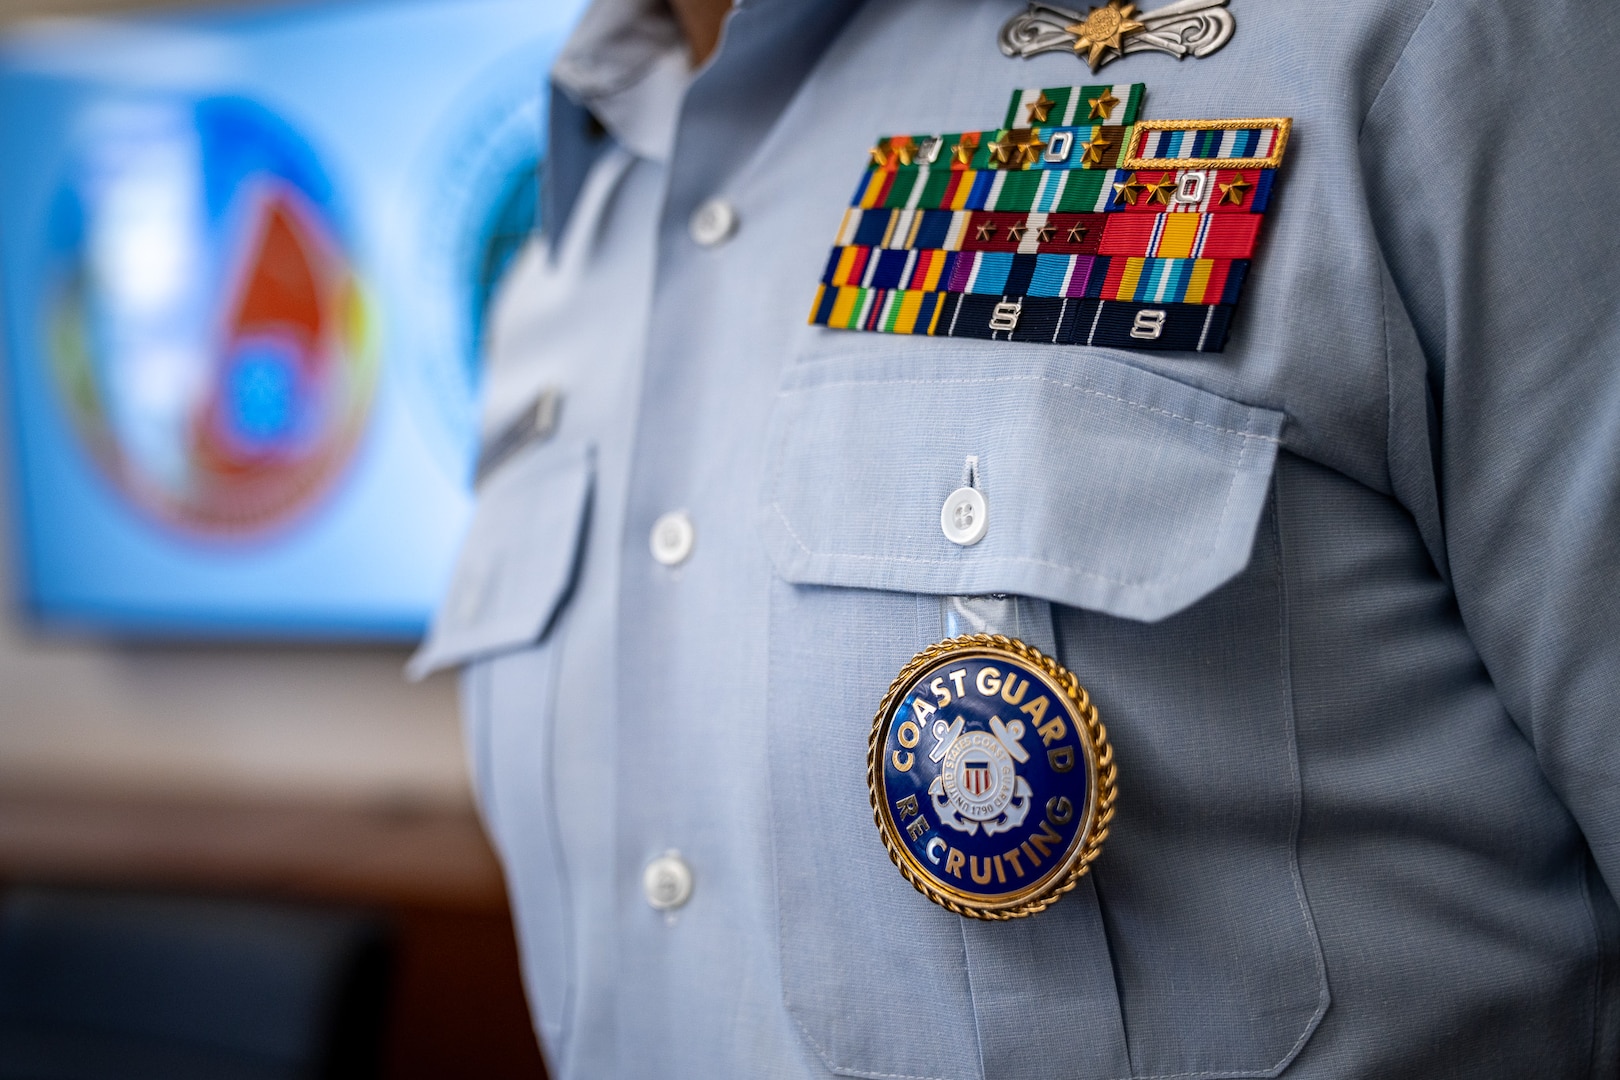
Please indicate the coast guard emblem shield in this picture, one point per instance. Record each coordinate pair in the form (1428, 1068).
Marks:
(991, 777)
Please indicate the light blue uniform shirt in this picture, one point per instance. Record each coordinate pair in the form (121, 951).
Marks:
(1345, 594)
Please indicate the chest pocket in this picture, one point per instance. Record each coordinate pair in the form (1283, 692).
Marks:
(1138, 508)
(516, 568)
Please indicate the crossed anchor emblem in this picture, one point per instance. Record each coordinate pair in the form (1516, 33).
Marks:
(978, 785)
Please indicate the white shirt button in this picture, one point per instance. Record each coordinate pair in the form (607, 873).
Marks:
(713, 222)
(965, 516)
(672, 538)
(667, 881)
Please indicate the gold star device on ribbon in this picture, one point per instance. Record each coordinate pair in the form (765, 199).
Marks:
(1040, 109)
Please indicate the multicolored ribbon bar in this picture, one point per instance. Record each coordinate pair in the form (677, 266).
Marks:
(1105, 277)
(1202, 144)
(1040, 319)
(1246, 191)
(1145, 228)
(1165, 235)
(1092, 146)
(1066, 105)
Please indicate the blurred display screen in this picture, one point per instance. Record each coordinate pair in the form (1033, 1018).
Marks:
(246, 258)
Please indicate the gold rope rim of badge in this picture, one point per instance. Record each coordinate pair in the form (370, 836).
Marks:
(1100, 798)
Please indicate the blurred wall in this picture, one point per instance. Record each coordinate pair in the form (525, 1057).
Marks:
(232, 721)
(241, 722)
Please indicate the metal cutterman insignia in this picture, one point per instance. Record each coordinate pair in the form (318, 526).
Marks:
(991, 777)
(1186, 28)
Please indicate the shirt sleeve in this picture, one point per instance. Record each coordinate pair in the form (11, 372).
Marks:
(1492, 163)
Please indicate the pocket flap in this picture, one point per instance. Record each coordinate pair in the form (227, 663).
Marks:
(518, 560)
(1108, 487)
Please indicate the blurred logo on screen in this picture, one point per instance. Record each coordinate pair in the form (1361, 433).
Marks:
(206, 325)
(470, 203)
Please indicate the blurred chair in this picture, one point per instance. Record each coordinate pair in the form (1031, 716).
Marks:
(119, 986)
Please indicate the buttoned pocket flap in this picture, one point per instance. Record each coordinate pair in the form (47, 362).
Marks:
(518, 560)
(1107, 487)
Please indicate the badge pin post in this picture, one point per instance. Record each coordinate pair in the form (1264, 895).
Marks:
(991, 777)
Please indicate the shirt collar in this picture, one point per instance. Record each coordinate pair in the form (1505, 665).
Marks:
(624, 71)
(627, 63)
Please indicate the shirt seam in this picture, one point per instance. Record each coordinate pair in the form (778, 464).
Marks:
(1157, 410)
(1162, 582)
(1389, 77)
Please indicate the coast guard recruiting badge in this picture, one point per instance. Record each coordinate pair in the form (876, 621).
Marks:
(991, 777)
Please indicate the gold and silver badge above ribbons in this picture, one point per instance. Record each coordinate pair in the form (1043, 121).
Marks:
(991, 777)
(1188, 28)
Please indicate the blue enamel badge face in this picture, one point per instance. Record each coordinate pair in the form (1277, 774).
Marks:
(992, 781)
